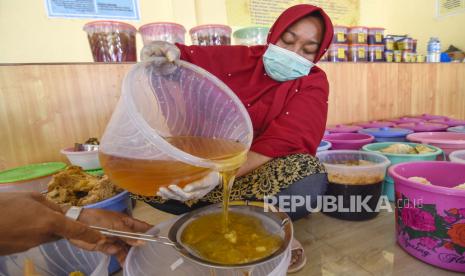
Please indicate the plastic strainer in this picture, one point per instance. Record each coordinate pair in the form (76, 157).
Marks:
(184, 100)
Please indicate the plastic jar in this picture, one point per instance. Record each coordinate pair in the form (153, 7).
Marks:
(213, 34)
(340, 34)
(405, 44)
(375, 36)
(414, 45)
(357, 35)
(375, 53)
(388, 56)
(251, 36)
(421, 58)
(338, 52)
(111, 41)
(406, 56)
(358, 52)
(164, 31)
(389, 43)
(397, 56)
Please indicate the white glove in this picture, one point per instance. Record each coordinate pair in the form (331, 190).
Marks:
(192, 191)
(160, 53)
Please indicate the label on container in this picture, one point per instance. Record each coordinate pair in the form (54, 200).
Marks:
(98, 9)
(361, 53)
(378, 38)
(378, 54)
(397, 57)
(389, 57)
(390, 45)
(341, 53)
(340, 37)
(361, 38)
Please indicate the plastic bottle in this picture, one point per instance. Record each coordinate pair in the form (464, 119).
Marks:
(434, 50)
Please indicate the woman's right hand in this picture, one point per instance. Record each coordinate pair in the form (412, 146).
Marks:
(160, 52)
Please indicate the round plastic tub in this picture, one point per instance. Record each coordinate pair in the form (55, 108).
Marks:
(397, 56)
(449, 122)
(358, 52)
(429, 117)
(87, 160)
(56, 259)
(164, 102)
(213, 34)
(375, 53)
(163, 31)
(376, 124)
(343, 129)
(375, 36)
(338, 52)
(430, 218)
(423, 127)
(388, 56)
(447, 141)
(457, 156)
(29, 178)
(404, 120)
(460, 129)
(165, 260)
(324, 145)
(395, 158)
(349, 182)
(340, 34)
(387, 134)
(350, 141)
(251, 36)
(358, 35)
(111, 41)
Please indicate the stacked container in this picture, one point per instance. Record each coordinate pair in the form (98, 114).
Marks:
(338, 50)
(358, 43)
(251, 36)
(162, 31)
(213, 34)
(376, 44)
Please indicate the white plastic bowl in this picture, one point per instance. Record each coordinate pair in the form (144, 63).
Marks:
(457, 156)
(56, 259)
(87, 160)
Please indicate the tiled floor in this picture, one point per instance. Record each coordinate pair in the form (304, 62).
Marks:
(337, 247)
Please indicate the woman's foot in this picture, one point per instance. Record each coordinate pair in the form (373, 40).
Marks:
(298, 258)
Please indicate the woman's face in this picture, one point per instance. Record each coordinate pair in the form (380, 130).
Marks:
(303, 37)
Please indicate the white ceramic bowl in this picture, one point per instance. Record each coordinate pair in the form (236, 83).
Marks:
(87, 160)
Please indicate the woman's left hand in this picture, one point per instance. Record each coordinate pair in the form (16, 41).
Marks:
(116, 221)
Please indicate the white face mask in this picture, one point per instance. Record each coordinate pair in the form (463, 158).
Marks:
(283, 65)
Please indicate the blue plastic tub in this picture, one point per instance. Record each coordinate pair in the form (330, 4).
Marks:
(388, 185)
(460, 129)
(119, 203)
(324, 145)
(387, 134)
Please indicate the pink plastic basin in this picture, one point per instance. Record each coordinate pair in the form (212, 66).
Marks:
(449, 122)
(430, 219)
(404, 120)
(353, 141)
(447, 141)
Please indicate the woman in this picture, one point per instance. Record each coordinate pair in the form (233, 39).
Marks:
(286, 97)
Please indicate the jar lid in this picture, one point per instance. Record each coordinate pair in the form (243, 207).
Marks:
(423, 126)
(340, 26)
(376, 124)
(449, 122)
(387, 132)
(156, 24)
(344, 129)
(358, 27)
(224, 28)
(29, 172)
(109, 25)
(376, 28)
(358, 45)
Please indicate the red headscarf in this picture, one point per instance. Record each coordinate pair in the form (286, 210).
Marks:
(288, 117)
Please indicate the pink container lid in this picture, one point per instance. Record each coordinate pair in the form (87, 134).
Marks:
(343, 129)
(176, 26)
(403, 120)
(423, 126)
(446, 138)
(450, 122)
(108, 25)
(428, 117)
(349, 140)
(376, 124)
(224, 28)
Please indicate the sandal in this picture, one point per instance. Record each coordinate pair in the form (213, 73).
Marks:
(298, 258)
